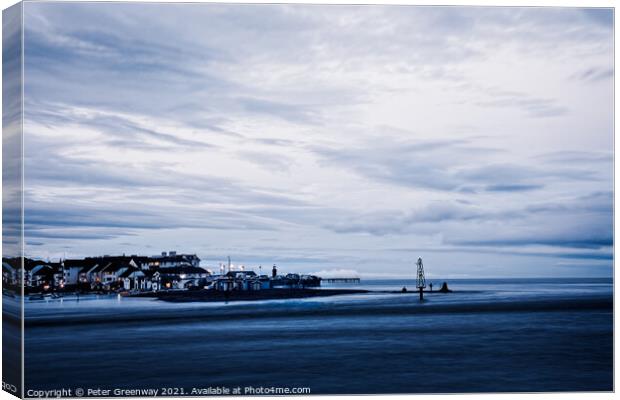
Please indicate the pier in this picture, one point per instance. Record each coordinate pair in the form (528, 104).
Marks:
(342, 280)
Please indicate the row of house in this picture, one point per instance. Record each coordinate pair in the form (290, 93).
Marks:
(105, 273)
(250, 281)
(139, 273)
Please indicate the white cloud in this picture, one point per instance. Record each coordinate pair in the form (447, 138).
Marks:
(321, 136)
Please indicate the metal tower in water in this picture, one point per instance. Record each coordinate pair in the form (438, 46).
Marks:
(420, 282)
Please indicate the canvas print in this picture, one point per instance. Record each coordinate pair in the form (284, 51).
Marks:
(294, 199)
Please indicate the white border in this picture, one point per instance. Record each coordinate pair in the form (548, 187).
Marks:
(485, 3)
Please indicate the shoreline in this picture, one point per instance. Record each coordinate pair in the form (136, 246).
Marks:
(264, 294)
(375, 308)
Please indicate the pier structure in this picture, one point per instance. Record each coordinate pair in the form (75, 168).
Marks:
(342, 280)
(420, 282)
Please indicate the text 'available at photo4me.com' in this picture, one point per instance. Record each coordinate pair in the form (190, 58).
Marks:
(167, 391)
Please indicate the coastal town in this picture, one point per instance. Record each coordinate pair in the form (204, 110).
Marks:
(136, 275)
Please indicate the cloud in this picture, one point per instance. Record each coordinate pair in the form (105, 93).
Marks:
(446, 165)
(534, 107)
(602, 16)
(427, 218)
(603, 253)
(576, 157)
(595, 74)
(270, 160)
(287, 111)
(512, 187)
(322, 137)
(415, 164)
(588, 242)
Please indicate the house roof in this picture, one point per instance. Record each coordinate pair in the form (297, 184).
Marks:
(117, 266)
(86, 269)
(43, 270)
(111, 259)
(99, 268)
(234, 274)
(149, 272)
(8, 267)
(130, 271)
(88, 262)
(29, 264)
(177, 258)
(109, 267)
(14, 262)
(183, 269)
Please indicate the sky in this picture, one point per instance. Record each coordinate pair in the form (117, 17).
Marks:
(338, 140)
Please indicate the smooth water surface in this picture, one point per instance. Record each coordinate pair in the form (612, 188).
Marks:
(488, 335)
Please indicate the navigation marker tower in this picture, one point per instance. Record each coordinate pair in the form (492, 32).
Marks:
(420, 282)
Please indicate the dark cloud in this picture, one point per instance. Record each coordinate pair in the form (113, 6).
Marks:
(285, 110)
(446, 166)
(602, 16)
(515, 251)
(512, 187)
(132, 133)
(576, 157)
(426, 219)
(595, 74)
(414, 164)
(586, 242)
(126, 222)
(73, 234)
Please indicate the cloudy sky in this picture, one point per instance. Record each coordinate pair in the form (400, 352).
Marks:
(323, 138)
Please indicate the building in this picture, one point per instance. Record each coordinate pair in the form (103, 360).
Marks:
(41, 277)
(172, 259)
(72, 268)
(241, 280)
(295, 281)
(179, 277)
(11, 273)
(106, 273)
(136, 279)
(139, 273)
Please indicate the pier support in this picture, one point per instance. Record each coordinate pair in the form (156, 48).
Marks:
(421, 294)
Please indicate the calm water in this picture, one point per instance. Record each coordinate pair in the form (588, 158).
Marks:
(489, 335)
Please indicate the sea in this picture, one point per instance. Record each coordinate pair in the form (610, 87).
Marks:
(488, 335)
